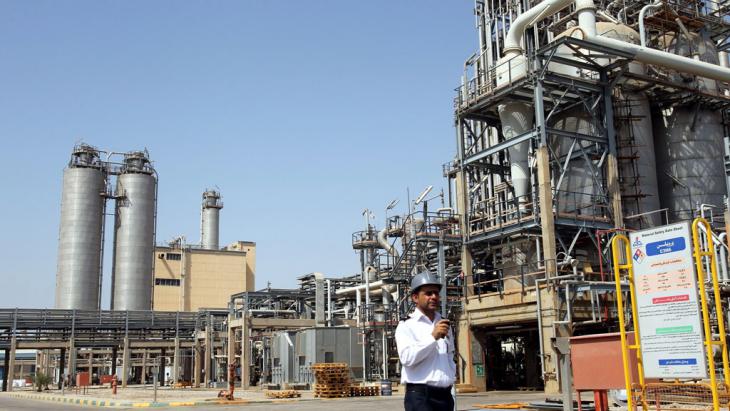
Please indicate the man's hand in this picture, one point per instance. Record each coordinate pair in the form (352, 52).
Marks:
(441, 329)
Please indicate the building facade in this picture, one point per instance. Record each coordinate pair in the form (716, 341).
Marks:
(187, 278)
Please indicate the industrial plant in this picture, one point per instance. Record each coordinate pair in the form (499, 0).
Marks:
(579, 124)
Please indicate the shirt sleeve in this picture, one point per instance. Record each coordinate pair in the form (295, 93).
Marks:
(410, 350)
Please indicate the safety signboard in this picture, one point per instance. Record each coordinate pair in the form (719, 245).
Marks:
(669, 316)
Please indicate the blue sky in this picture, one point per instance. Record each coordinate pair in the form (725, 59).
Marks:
(303, 113)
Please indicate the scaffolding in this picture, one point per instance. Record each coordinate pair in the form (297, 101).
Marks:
(548, 163)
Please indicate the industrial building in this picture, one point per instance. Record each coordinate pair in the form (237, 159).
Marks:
(189, 278)
(175, 277)
(575, 121)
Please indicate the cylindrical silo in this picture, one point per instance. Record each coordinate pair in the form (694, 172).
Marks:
(134, 232)
(634, 137)
(688, 141)
(80, 235)
(210, 219)
(690, 165)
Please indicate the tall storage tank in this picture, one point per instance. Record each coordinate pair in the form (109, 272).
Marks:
(634, 135)
(688, 141)
(579, 187)
(78, 272)
(210, 219)
(134, 232)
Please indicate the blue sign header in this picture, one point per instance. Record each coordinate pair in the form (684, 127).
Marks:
(666, 246)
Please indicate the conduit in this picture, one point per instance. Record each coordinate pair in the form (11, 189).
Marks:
(586, 10)
(383, 241)
(375, 288)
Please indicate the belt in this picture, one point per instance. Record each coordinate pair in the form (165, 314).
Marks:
(426, 387)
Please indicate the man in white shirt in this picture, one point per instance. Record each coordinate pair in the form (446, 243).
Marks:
(426, 349)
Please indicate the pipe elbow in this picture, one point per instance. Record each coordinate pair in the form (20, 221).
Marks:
(584, 5)
(383, 241)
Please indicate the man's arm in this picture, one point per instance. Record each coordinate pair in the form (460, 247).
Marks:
(410, 350)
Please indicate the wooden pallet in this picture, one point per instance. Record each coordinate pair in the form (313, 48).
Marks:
(283, 394)
(331, 392)
(360, 391)
(333, 380)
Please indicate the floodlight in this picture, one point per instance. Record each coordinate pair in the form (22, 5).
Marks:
(423, 195)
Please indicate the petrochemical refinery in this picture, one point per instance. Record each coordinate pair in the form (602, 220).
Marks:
(591, 137)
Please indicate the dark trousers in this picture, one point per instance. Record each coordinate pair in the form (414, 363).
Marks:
(421, 397)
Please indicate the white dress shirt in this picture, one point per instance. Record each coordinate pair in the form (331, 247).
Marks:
(424, 359)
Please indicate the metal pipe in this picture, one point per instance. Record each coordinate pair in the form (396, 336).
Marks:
(271, 311)
(358, 302)
(539, 325)
(642, 15)
(375, 288)
(539, 314)
(621, 15)
(586, 14)
(513, 39)
(721, 251)
(662, 58)
(329, 302)
(608, 17)
(383, 241)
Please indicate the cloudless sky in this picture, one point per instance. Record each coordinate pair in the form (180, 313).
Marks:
(302, 112)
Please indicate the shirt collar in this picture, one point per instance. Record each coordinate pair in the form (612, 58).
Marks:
(418, 314)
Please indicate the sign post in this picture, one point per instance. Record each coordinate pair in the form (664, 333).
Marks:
(665, 283)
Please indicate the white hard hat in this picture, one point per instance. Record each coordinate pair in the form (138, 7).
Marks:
(424, 278)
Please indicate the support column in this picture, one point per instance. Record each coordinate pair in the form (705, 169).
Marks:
(198, 363)
(464, 338)
(176, 362)
(72, 361)
(91, 365)
(206, 359)
(143, 380)
(125, 362)
(612, 180)
(113, 368)
(162, 364)
(62, 367)
(245, 347)
(547, 295)
(49, 362)
(39, 366)
(614, 190)
(231, 346)
(562, 348)
(10, 370)
(6, 365)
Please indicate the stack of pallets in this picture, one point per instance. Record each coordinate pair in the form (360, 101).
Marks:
(360, 391)
(333, 380)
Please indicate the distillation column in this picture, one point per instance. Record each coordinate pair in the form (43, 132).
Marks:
(210, 219)
(134, 234)
(78, 275)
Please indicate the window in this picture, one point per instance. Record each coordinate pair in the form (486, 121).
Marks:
(173, 256)
(174, 282)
